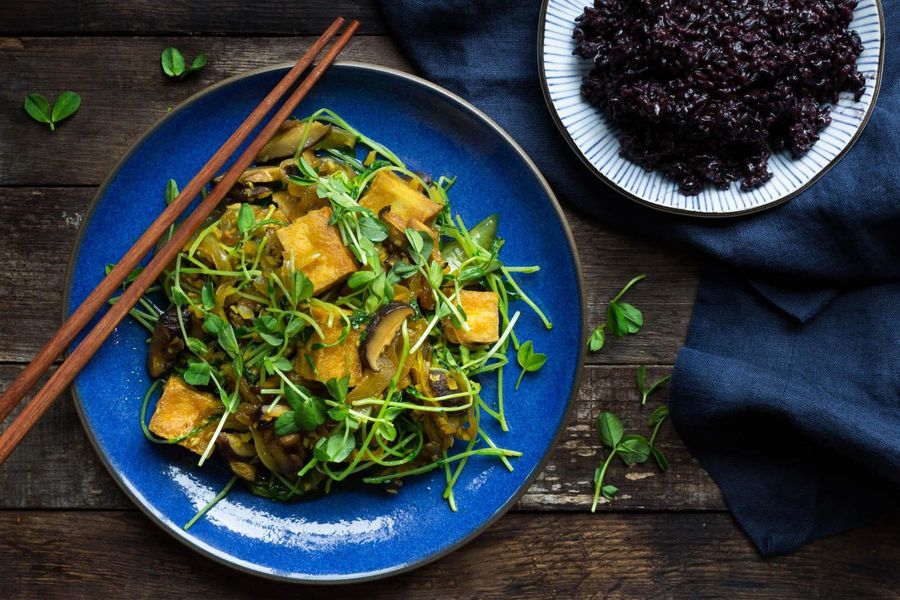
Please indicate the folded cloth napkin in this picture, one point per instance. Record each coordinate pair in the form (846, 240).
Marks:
(788, 387)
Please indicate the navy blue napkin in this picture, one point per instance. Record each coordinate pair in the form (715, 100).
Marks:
(788, 387)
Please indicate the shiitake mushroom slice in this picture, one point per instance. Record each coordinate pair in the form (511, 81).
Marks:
(381, 330)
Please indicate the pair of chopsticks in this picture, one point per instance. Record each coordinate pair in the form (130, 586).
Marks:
(97, 299)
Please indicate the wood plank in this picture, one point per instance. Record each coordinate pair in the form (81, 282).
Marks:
(55, 467)
(121, 554)
(123, 91)
(143, 17)
(40, 226)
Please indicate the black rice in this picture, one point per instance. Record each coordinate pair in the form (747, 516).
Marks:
(705, 90)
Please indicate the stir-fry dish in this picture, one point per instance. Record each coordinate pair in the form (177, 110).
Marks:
(333, 318)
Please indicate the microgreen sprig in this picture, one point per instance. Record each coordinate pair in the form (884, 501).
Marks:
(39, 109)
(529, 360)
(657, 418)
(631, 449)
(173, 63)
(642, 386)
(622, 319)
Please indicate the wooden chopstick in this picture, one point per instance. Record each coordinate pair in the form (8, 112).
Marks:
(64, 375)
(110, 284)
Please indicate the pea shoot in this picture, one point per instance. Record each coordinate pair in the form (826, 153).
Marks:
(173, 63)
(335, 319)
(622, 319)
(646, 390)
(38, 108)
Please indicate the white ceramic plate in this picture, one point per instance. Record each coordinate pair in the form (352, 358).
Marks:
(595, 142)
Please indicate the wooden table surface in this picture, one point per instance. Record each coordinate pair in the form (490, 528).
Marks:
(67, 531)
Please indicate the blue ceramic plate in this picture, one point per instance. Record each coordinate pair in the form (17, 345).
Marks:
(357, 532)
(596, 144)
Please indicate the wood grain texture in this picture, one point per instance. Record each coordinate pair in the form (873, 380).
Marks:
(143, 17)
(75, 555)
(123, 91)
(665, 536)
(56, 467)
(41, 224)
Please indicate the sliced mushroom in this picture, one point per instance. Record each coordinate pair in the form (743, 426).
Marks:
(250, 192)
(268, 174)
(381, 331)
(166, 341)
(288, 168)
(285, 143)
(236, 446)
(238, 451)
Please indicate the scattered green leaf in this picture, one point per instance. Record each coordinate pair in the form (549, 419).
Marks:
(598, 338)
(39, 108)
(622, 319)
(642, 383)
(173, 64)
(610, 429)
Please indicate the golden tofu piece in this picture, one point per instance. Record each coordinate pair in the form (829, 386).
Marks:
(331, 362)
(387, 189)
(315, 248)
(288, 204)
(482, 316)
(180, 410)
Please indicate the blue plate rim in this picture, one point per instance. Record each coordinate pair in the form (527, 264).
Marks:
(545, 91)
(224, 558)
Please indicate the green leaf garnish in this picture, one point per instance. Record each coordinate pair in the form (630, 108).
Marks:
(338, 388)
(171, 191)
(420, 246)
(196, 346)
(529, 360)
(633, 449)
(334, 448)
(173, 64)
(622, 319)
(598, 337)
(198, 373)
(208, 295)
(65, 106)
(228, 340)
(373, 229)
(309, 411)
(610, 429)
(303, 287)
(213, 324)
(246, 218)
(642, 387)
(39, 108)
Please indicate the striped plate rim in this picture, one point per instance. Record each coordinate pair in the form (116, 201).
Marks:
(596, 144)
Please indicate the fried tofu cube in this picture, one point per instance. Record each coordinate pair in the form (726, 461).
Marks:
(482, 316)
(387, 189)
(314, 247)
(331, 362)
(180, 410)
